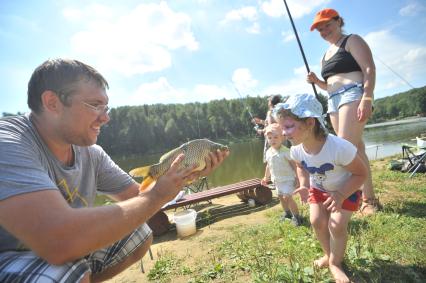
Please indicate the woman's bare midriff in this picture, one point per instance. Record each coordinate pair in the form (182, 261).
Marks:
(337, 81)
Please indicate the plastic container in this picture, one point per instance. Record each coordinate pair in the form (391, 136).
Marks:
(251, 203)
(185, 222)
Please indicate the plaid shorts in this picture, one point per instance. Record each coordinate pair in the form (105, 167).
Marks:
(27, 267)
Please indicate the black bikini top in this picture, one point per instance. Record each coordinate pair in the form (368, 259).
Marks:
(341, 62)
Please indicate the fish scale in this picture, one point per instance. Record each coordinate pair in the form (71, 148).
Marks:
(195, 153)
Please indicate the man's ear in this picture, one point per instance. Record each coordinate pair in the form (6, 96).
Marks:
(50, 101)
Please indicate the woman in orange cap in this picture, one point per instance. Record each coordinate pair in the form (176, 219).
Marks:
(349, 77)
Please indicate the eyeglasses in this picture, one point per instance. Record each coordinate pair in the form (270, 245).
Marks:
(100, 109)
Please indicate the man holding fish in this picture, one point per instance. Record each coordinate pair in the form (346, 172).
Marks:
(50, 172)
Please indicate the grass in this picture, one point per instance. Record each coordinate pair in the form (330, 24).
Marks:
(387, 247)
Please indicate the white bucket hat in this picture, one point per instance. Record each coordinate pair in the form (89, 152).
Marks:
(303, 106)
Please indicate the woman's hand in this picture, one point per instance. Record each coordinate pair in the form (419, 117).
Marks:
(264, 181)
(312, 78)
(365, 109)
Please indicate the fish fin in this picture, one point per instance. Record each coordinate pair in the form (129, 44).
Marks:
(145, 184)
(172, 153)
(140, 172)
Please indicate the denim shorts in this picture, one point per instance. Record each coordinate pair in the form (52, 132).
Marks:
(285, 188)
(25, 266)
(345, 94)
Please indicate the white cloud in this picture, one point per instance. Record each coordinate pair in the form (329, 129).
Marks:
(246, 13)
(288, 36)
(206, 92)
(135, 43)
(254, 28)
(296, 84)
(161, 91)
(298, 8)
(411, 9)
(405, 59)
(94, 11)
(243, 80)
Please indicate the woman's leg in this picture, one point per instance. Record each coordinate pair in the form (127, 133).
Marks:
(337, 226)
(346, 125)
(319, 217)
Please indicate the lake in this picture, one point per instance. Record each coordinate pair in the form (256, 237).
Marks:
(245, 160)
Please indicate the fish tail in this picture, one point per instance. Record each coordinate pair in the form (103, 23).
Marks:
(140, 172)
(145, 184)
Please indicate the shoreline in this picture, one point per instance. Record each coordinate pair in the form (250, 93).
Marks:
(397, 122)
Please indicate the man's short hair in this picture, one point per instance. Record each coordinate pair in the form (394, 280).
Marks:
(62, 77)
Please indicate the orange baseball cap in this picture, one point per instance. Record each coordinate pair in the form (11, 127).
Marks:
(324, 16)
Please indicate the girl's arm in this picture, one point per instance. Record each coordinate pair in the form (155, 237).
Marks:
(359, 175)
(303, 178)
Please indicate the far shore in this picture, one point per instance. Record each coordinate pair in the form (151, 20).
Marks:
(397, 122)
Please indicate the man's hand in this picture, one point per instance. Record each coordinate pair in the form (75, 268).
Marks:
(213, 160)
(172, 182)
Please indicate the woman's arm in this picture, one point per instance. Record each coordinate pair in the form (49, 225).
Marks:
(312, 78)
(363, 56)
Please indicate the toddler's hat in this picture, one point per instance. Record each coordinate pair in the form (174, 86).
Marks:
(303, 106)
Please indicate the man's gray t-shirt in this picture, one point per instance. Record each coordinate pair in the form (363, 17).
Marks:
(27, 165)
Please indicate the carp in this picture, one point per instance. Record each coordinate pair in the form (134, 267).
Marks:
(195, 153)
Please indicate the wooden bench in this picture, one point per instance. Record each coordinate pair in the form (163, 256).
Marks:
(252, 188)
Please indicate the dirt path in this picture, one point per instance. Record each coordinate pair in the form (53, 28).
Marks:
(218, 216)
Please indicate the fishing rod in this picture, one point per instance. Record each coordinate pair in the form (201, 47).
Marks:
(256, 127)
(300, 46)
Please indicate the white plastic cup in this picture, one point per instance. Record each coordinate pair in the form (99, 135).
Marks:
(185, 222)
(251, 203)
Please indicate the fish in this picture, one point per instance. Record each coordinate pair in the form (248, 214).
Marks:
(195, 153)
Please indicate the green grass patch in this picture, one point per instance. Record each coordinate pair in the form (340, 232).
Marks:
(387, 247)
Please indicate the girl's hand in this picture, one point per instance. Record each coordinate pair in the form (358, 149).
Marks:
(364, 110)
(264, 181)
(334, 201)
(303, 192)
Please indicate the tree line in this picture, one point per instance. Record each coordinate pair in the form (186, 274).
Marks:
(156, 128)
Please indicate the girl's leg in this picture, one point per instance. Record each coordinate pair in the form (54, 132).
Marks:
(319, 217)
(337, 226)
(291, 204)
(284, 202)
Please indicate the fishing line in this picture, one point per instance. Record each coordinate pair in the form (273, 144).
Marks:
(300, 46)
(393, 71)
(256, 127)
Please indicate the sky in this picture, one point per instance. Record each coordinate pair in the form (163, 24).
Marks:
(185, 51)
